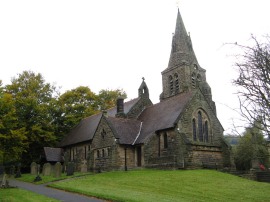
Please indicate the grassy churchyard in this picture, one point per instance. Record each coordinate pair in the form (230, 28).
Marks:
(150, 185)
(160, 185)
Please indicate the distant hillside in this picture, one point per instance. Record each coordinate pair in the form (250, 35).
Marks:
(232, 139)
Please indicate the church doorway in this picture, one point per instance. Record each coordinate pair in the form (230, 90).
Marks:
(139, 156)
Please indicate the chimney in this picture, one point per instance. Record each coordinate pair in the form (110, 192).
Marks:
(120, 107)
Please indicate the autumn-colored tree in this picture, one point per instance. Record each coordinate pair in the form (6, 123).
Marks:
(13, 139)
(32, 98)
(107, 98)
(74, 105)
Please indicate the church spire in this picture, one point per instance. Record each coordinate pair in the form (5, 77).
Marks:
(182, 50)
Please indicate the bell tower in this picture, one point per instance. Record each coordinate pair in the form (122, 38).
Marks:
(183, 73)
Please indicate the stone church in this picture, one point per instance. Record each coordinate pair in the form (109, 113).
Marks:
(181, 131)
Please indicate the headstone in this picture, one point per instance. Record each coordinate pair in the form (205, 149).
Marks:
(46, 169)
(57, 170)
(33, 168)
(4, 182)
(70, 168)
(84, 166)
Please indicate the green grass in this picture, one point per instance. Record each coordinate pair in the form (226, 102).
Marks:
(20, 195)
(46, 179)
(157, 185)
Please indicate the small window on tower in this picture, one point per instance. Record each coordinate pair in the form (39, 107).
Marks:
(171, 84)
(176, 83)
(193, 80)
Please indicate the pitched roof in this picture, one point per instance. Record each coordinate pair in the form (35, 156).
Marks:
(53, 154)
(126, 130)
(162, 115)
(85, 130)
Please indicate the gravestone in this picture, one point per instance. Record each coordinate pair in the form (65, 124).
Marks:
(4, 182)
(46, 169)
(70, 168)
(84, 166)
(33, 168)
(57, 170)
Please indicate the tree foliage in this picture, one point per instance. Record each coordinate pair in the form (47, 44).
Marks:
(74, 105)
(32, 99)
(34, 115)
(254, 83)
(252, 145)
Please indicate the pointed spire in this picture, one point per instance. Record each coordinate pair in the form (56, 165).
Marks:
(182, 51)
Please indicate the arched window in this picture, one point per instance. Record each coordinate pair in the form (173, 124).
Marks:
(206, 131)
(171, 84)
(176, 83)
(194, 130)
(200, 126)
(193, 80)
(103, 153)
(98, 154)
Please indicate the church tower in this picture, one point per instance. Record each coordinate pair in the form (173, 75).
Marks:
(184, 73)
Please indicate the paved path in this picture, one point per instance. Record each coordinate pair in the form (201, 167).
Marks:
(53, 193)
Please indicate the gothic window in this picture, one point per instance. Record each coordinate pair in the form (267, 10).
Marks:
(176, 83)
(103, 134)
(206, 131)
(171, 84)
(194, 130)
(193, 80)
(103, 153)
(200, 126)
(98, 154)
(196, 67)
(165, 138)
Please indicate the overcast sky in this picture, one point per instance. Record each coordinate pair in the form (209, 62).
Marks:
(112, 44)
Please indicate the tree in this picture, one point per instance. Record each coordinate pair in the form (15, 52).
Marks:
(107, 98)
(75, 105)
(251, 145)
(33, 100)
(254, 83)
(13, 140)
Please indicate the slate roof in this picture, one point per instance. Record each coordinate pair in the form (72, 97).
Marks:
(126, 130)
(85, 130)
(53, 154)
(162, 115)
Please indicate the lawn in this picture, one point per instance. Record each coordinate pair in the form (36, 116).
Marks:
(178, 185)
(20, 195)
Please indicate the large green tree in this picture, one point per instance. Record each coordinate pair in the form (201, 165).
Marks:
(252, 145)
(13, 139)
(72, 106)
(33, 98)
